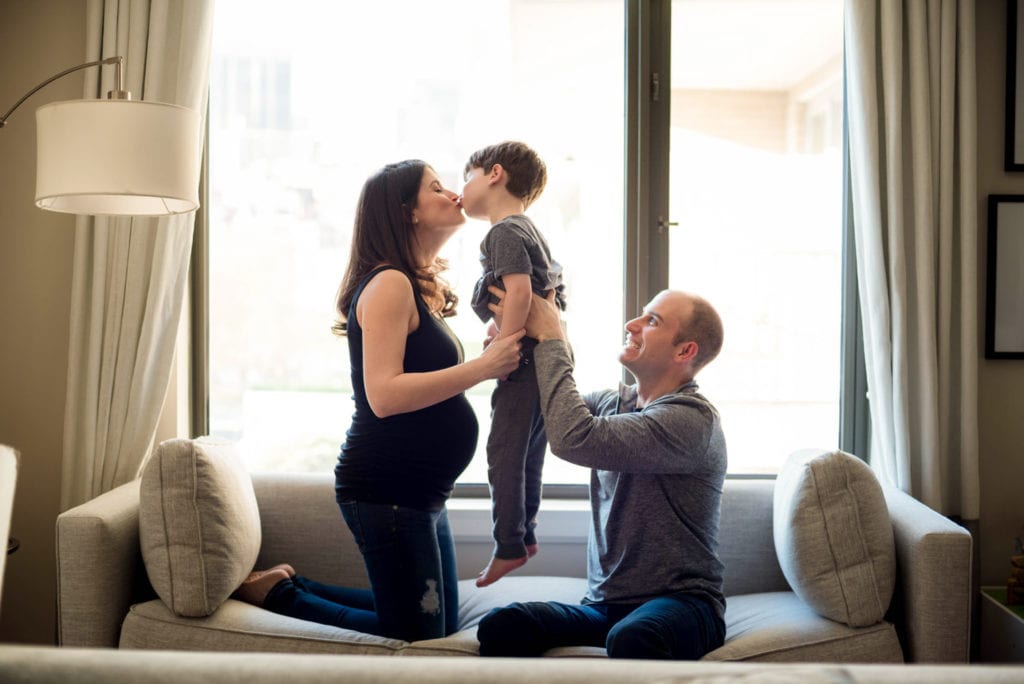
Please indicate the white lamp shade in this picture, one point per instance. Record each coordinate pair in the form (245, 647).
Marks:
(117, 158)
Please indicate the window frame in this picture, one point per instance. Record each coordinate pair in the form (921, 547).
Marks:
(646, 235)
(854, 415)
(648, 122)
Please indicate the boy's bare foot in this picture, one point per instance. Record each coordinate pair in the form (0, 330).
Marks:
(498, 568)
(257, 585)
(531, 550)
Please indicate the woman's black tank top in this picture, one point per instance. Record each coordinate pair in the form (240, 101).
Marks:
(410, 459)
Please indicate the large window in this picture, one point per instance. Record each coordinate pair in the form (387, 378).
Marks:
(307, 102)
(756, 190)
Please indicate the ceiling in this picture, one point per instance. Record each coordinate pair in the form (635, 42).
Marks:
(753, 44)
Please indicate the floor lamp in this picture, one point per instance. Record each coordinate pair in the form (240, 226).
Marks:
(114, 157)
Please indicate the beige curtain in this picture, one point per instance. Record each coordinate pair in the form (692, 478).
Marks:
(129, 274)
(910, 69)
(8, 478)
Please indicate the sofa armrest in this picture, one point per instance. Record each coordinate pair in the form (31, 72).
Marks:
(99, 567)
(932, 603)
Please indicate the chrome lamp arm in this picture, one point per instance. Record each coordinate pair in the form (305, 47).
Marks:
(115, 94)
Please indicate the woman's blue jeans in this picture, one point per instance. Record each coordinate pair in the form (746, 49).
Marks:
(675, 627)
(410, 559)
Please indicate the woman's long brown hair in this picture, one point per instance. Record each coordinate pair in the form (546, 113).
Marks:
(383, 235)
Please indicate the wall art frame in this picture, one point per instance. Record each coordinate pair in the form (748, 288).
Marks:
(1004, 297)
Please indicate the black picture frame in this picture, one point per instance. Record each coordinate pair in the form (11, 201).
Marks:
(1004, 297)
(1014, 138)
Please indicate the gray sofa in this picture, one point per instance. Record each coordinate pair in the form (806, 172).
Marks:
(105, 599)
(39, 665)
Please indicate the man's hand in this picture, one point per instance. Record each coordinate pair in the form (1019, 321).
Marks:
(491, 334)
(544, 321)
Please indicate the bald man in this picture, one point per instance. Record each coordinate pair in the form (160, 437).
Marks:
(658, 460)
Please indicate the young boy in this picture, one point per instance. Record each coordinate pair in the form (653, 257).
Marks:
(501, 182)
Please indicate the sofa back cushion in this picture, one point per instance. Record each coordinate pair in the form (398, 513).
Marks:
(745, 544)
(303, 527)
(199, 526)
(833, 536)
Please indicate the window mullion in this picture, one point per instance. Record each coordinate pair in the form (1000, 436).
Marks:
(854, 418)
(648, 112)
(199, 293)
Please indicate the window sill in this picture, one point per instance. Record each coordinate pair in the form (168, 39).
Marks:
(564, 521)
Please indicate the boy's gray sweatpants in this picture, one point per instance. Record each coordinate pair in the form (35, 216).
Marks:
(515, 458)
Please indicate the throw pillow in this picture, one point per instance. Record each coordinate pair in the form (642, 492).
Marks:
(199, 526)
(833, 536)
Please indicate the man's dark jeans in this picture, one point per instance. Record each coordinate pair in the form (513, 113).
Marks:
(676, 627)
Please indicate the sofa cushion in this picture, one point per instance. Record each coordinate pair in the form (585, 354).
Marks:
(745, 539)
(833, 536)
(199, 525)
(237, 626)
(780, 627)
(475, 602)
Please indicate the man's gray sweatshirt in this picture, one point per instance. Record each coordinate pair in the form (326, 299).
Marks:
(655, 485)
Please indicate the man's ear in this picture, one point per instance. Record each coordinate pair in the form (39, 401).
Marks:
(687, 351)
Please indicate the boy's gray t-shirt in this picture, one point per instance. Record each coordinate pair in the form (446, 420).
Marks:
(514, 245)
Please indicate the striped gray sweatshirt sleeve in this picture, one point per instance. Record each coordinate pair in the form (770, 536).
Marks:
(656, 484)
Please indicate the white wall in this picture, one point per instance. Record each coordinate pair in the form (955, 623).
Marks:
(38, 38)
(1000, 408)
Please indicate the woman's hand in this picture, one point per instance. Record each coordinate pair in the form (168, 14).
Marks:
(502, 355)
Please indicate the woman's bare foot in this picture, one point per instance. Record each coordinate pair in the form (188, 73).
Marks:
(287, 568)
(257, 585)
(498, 568)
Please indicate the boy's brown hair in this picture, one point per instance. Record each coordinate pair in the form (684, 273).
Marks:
(527, 174)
